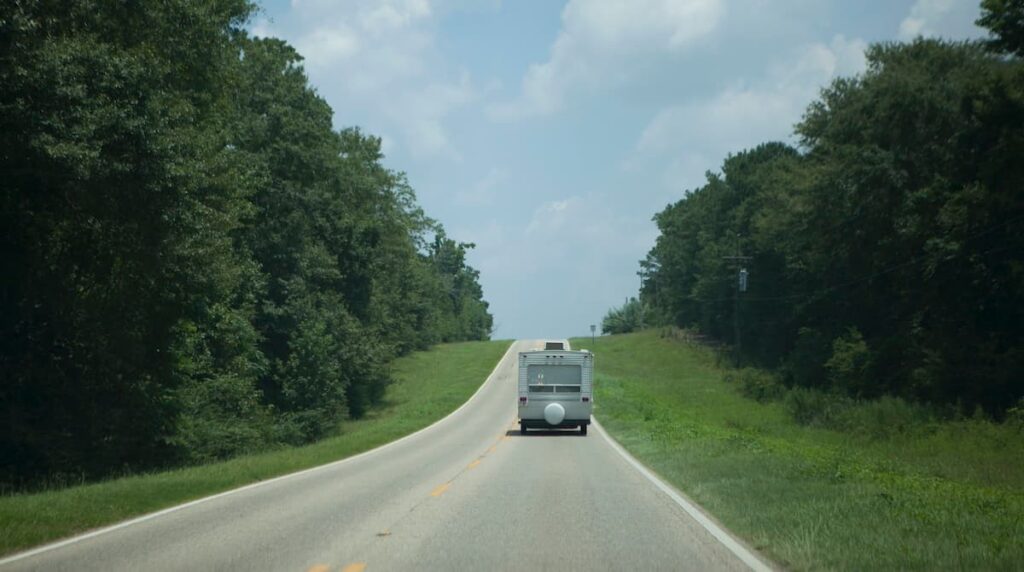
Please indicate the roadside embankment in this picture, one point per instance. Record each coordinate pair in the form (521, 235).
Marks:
(928, 495)
(428, 385)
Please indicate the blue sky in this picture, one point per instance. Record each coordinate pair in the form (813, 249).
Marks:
(549, 133)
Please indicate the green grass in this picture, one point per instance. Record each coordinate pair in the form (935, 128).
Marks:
(932, 497)
(428, 386)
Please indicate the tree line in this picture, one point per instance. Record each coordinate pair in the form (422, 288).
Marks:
(195, 263)
(885, 253)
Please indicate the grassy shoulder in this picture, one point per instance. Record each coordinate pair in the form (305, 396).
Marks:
(428, 385)
(940, 496)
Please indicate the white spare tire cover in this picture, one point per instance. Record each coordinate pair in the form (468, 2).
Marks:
(554, 413)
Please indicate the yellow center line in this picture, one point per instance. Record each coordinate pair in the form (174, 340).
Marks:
(440, 490)
(319, 568)
(354, 567)
(473, 464)
(492, 449)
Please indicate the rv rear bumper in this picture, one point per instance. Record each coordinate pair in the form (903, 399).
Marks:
(542, 424)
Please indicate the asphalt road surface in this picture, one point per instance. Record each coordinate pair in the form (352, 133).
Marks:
(468, 493)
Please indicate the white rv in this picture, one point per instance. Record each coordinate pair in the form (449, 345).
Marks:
(556, 389)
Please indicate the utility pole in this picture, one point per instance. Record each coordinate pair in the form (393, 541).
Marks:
(741, 286)
(639, 294)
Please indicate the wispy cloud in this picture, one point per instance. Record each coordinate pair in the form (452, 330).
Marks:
(695, 136)
(484, 191)
(381, 57)
(599, 42)
(948, 18)
(564, 267)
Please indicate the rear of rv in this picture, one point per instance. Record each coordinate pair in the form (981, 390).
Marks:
(555, 389)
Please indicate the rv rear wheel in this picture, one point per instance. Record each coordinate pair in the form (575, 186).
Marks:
(583, 429)
(522, 428)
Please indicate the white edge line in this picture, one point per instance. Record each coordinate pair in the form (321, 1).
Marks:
(697, 514)
(150, 516)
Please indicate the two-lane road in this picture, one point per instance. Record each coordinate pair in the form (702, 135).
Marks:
(467, 493)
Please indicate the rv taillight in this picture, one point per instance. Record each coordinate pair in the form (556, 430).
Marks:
(586, 399)
(522, 400)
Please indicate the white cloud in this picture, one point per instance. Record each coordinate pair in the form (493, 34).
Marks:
(695, 136)
(420, 114)
(391, 17)
(551, 218)
(378, 59)
(601, 40)
(484, 191)
(571, 255)
(946, 18)
(326, 46)
(372, 45)
(564, 229)
(575, 230)
(820, 63)
(387, 144)
(487, 235)
(261, 28)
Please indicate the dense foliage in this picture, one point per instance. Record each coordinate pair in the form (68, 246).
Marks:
(885, 253)
(625, 319)
(195, 263)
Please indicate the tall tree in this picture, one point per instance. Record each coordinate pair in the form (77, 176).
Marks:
(884, 258)
(1005, 20)
(196, 263)
(117, 202)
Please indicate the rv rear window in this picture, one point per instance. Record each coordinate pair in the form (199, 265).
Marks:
(567, 389)
(554, 374)
(542, 388)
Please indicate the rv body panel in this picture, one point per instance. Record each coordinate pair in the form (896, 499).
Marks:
(565, 377)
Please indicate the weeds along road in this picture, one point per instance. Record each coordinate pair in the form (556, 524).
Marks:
(466, 493)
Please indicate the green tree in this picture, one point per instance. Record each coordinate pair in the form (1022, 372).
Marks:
(625, 319)
(916, 159)
(119, 197)
(900, 219)
(1005, 20)
(196, 264)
